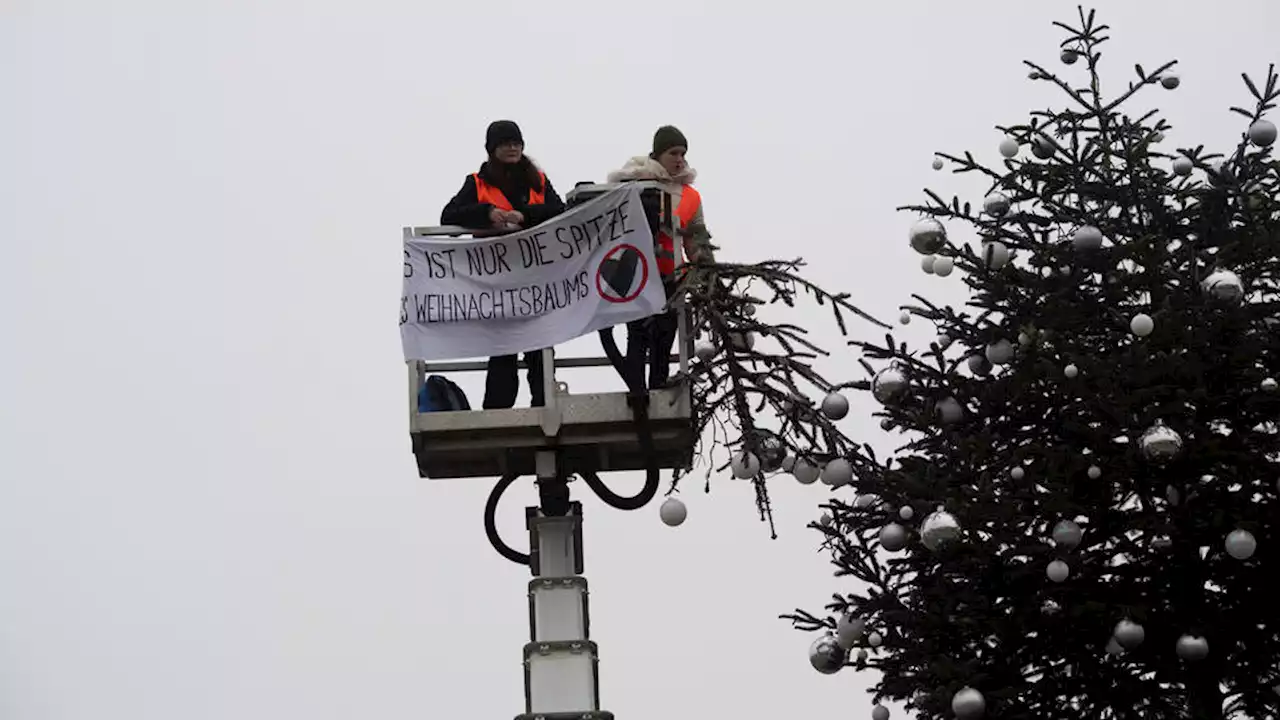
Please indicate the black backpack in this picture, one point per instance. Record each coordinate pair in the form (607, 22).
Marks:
(440, 394)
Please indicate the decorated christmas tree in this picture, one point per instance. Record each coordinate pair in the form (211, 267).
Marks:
(1084, 507)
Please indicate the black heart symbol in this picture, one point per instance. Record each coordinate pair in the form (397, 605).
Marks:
(620, 270)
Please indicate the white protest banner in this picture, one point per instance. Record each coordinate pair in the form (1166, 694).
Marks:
(590, 268)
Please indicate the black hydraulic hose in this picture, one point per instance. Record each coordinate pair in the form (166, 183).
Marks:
(632, 376)
(638, 399)
(611, 351)
(640, 409)
(491, 521)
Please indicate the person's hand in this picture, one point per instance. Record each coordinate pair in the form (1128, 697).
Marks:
(497, 217)
(515, 217)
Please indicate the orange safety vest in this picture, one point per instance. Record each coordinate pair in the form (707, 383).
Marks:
(667, 251)
(487, 193)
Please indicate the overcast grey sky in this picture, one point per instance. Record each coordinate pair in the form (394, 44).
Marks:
(208, 508)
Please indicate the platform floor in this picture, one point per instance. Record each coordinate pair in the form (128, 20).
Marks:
(598, 433)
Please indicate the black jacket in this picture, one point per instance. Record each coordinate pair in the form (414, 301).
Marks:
(466, 210)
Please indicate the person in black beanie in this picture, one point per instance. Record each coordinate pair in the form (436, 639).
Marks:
(509, 193)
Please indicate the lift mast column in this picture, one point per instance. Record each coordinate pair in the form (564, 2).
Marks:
(561, 662)
(572, 434)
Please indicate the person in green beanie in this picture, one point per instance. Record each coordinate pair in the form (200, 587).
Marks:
(667, 163)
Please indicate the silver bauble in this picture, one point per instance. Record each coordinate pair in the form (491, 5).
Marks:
(772, 450)
(1000, 352)
(1095, 472)
(939, 528)
(1160, 443)
(927, 236)
(806, 472)
(673, 511)
(879, 712)
(862, 655)
(874, 639)
(1170, 81)
(835, 406)
(1129, 634)
(943, 341)
(1223, 286)
(979, 365)
(1058, 571)
(1087, 237)
(1183, 166)
(865, 501)
(1192, 647)
(1067, 534)
(950, 411)
(1042, 147)
(1009, 147)
(1219, 172)
(742, 342)
(704, 350)
(968, 704)
(1068, 56)
(893, 537)
(1262, 132)
(1017, 473)
(943, 266)
(1113, 646)
(996, 204)
(1071, 371)
(995, 254)
(744, 465)
(824, 520)
(1257, 197)
(788, 463)
(1269, 384)
(1157, 136)
(937, 163)
(837, 472)
(849, 631)
(926, 263)
(1240, 544)
(904, 318)
(826, 655)
(906, 512)
(888, 384)
(1142, 325)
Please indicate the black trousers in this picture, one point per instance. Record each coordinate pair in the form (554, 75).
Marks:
(650, 340)
(502, 381)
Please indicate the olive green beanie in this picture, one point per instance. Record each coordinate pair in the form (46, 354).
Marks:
(667, 137)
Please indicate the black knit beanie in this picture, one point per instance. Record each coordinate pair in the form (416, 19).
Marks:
(667, 137)
(501, 131)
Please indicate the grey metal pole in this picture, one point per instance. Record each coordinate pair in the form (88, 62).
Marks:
(561, 663)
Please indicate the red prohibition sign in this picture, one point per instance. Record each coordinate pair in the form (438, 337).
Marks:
(615, 265)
